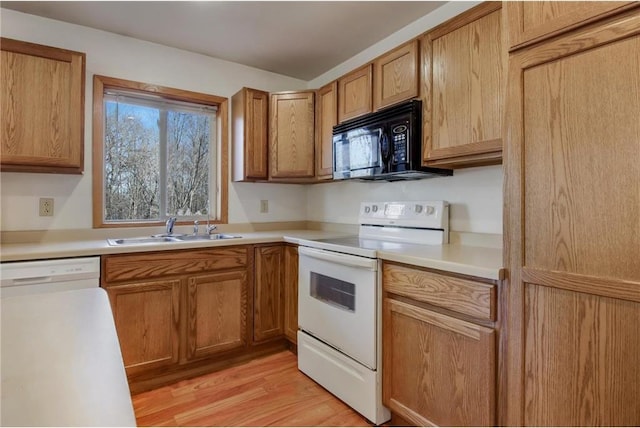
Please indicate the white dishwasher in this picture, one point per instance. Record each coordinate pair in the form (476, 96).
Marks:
(45, 276)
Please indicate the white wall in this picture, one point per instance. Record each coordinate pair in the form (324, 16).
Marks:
(475, 194)
(123, 57)
(416, 28)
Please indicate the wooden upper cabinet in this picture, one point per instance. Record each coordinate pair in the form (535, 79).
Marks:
(216, 313)
(533, 21)
(326, 119)
(250, 117)
(354, 93)
(395, 76)
(292, 143)
(463, 89)
(42, 108)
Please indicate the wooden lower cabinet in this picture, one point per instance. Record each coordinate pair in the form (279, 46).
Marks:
(291, 293)
(439, 347)
(182, 313)
(147, 318)
(216, 313)
(268, 321)
(437, 370)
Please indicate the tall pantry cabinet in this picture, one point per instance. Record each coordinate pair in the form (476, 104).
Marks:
(572, 218)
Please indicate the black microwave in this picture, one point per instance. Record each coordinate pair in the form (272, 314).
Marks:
(385, 145)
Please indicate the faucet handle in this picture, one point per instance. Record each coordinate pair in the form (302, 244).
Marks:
(211, 228)
(170, 222)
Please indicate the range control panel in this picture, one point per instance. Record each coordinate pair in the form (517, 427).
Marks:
(416, 214)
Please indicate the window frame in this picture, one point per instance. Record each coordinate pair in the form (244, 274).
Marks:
(100, 83)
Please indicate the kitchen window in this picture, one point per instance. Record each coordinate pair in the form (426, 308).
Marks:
(157, 154)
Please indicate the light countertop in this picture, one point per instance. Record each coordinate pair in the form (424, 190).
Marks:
(61, 362)
(483, 262)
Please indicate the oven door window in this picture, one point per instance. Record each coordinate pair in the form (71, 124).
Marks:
(334, 292)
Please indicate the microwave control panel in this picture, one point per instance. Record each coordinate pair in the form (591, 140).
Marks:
(400, 137)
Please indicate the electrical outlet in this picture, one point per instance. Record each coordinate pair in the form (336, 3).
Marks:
(46, 207)
(264, 206)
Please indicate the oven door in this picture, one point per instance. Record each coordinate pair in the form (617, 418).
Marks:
(337, 301)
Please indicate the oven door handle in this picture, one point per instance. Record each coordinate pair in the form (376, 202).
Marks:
(339, 258)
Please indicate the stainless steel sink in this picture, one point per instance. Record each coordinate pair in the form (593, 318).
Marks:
(141, 240)
(172, 238)
(211, 237)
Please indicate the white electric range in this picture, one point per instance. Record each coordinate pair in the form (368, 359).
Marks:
(340, 294)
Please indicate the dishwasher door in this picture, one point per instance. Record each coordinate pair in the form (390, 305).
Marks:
(46, 276)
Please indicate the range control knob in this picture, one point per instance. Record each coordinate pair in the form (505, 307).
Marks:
(418, 209)
(367, 209)
(430, 210)
(375, 208)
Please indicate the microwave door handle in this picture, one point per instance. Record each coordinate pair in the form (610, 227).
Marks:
(385, 151)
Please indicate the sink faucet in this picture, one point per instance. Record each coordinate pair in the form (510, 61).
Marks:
(170, 222)
(195, 227)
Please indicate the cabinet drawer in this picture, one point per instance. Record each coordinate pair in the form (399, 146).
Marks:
(473, 298)
(126, 267)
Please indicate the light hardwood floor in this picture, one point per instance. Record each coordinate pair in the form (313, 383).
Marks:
(268, 391)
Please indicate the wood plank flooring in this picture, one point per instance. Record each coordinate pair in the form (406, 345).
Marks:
(268, 391)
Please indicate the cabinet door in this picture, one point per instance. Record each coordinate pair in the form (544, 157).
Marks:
(437, 370)
(147, 318)
(291, 293)
(395, 76)
(574, 276)
(581, 359)
(463, 62)
(216, 313)
(250, 137)
(42, 108)
(268, 293)
(530, 22)
(354, 94)
(327, 118)
(292, 135)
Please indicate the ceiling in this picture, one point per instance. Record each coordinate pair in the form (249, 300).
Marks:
(301, 39)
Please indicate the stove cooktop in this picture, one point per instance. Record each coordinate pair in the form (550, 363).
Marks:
(355, 245)
(390, 226)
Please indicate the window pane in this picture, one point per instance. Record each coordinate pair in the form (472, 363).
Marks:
(131, 162)
(188, 137)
